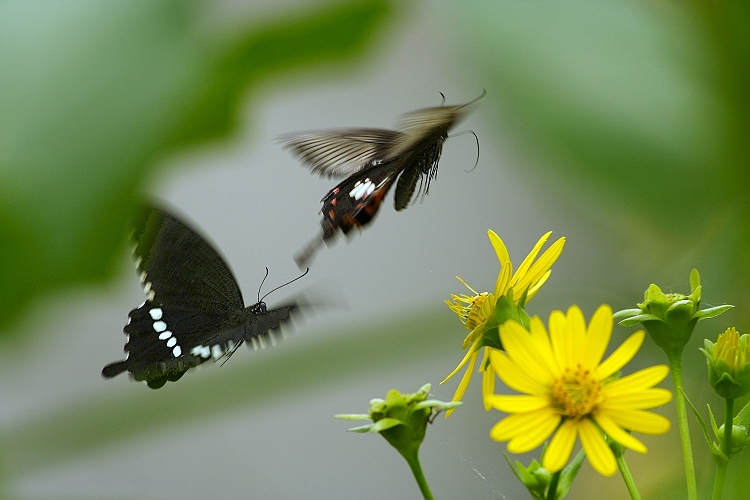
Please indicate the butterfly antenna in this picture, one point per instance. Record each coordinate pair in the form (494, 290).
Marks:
(285, 284)
(484, 93)
(477, 139)
(442, 103)
(261, 285)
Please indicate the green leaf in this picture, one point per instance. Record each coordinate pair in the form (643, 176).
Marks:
(712, 312)
(385, 424)
(639, 319)
(94, 93)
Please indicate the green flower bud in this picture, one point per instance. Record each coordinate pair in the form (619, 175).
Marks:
(729, 364)
(738, 440)
(670, 318)
(538, 480)
(535, 477)
(401, 418)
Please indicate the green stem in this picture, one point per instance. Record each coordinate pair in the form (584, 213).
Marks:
(552, 489)
(726, 444)
(627, 476)
(412, 458)
(675, 364)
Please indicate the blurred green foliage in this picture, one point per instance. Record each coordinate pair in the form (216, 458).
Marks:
(94, 93)
(639, 113)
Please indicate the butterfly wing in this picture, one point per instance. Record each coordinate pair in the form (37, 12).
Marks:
(352, 203)
(164, 342)
(179, 268)
(160, 340)
(342, 152)
(373, 159)
(192, 298)
(420, 145)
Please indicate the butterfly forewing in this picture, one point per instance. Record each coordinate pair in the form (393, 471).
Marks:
(180, 268)
(339, 153)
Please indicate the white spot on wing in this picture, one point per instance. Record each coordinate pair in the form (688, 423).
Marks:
(160, 326)
(362, 190)
(165, 335)
(216, 351)
(201, 350)
(156, 313)
(171, 342)
(177, 351)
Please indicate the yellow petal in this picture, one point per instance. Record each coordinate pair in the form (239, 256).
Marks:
(520, 348)
(616, 432)
(535, 286)
(517, 404)
(598, 335)
(503, 280)
(560, 447)
(520, 424)
(526, 431)
(642, 400)
(562, 343)
(621, 356)
(513, 377)
(526, 264)
(597, 451)
(638, 381)
(640, 421)
(488, 377)
(502, 252)
(469, 354)
(461, 389)
(526, 277)
(577, 334)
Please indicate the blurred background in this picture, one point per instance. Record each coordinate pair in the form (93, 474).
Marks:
(620, 125)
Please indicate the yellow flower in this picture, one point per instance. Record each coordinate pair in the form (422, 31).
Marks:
(569, 391)
(476, 311)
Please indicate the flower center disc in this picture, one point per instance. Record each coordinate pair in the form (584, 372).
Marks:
(576, 394)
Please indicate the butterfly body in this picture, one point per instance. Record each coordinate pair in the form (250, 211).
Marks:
(372, 160)
(194, 311)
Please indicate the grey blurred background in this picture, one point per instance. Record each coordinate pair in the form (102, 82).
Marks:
(610, 124)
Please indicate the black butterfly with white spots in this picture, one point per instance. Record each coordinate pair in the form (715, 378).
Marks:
(372, 160)
(194, 309)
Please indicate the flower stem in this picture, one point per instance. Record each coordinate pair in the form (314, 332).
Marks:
(412, 458)
(627, 476)
(726, 446)
(675, 364)
(552, 489)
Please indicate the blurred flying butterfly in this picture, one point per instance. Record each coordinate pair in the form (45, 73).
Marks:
(372, 160)
(194, 309)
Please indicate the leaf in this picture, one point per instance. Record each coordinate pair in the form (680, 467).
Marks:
(93, 94)
(635, 108)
